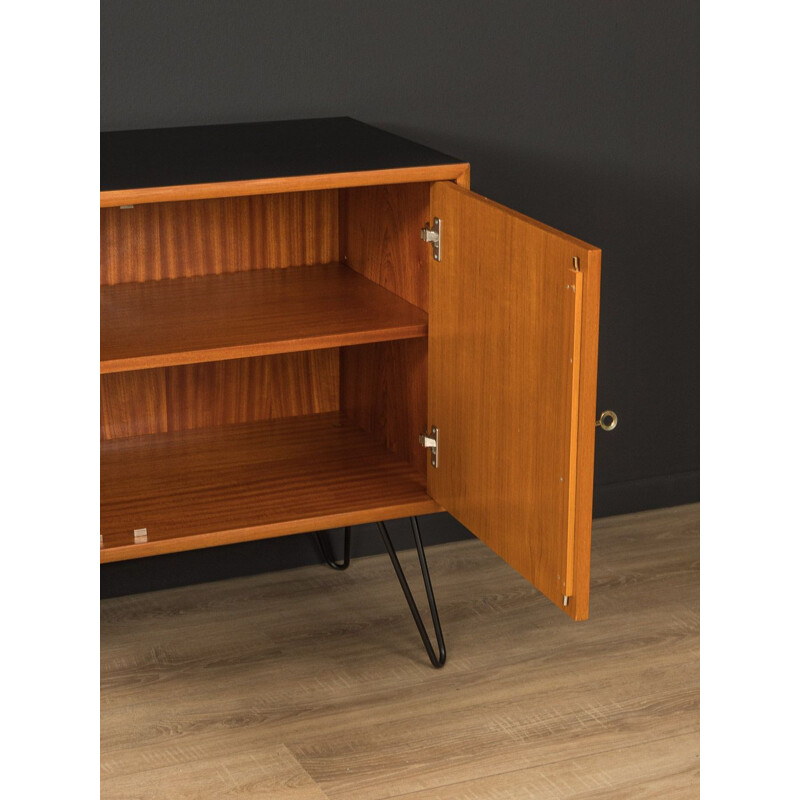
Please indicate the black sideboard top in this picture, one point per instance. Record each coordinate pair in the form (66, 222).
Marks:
(252, 151)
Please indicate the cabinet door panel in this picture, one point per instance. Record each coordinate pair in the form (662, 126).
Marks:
(512, 374)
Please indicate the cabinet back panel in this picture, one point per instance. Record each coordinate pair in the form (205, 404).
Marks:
(379, 235)
(218, 393)
(211, 237)
(384, 390)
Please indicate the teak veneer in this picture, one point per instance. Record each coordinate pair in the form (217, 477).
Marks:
(254, 313)
(276, 335)
(250, 481)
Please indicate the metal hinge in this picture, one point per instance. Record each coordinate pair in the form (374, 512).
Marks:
(434, 236)
(431, 440)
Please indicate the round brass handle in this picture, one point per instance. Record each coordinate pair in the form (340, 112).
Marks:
(608, 421)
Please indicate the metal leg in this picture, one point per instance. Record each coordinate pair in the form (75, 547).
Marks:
(437, 662)
(325, 548)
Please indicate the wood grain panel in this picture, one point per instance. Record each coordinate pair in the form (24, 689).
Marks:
(133, 403)
(211, 237)
(503, 325)
(218, 393)
(384, 390)
(242, 482)
(216, 317)
(380, 228)
(297, 183)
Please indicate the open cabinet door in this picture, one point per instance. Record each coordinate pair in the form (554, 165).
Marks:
(513, 323)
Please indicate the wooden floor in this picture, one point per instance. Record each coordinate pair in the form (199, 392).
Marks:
(313, 684)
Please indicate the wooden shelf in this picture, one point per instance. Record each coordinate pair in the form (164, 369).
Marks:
(251, 481)
(242, 314)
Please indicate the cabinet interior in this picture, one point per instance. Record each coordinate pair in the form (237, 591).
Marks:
(264, 366)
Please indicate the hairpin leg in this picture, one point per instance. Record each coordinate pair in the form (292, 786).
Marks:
(437, 662)
(327, 554)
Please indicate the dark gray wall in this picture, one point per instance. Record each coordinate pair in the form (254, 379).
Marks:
(584, 115)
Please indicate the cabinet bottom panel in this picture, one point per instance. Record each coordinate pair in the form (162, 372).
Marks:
(235, 483)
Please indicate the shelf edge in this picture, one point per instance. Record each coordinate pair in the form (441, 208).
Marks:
(228, 353)
(297, 183)
(112, 553)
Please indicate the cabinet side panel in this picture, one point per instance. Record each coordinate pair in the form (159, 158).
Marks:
(384, 390)
(218, 393)
(210, 237)
(380, 237)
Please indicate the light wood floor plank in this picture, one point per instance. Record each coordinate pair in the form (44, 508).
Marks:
(330, 667)
(662, 768)
(201, 772)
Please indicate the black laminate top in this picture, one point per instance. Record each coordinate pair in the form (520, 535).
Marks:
(253, 151)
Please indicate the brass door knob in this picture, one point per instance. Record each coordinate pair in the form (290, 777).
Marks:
(608, 421)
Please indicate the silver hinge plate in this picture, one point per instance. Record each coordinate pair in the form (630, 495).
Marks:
(431, 440)
(434, 236)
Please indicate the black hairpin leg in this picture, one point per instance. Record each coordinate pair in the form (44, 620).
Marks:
(327, 554)
(437, 662)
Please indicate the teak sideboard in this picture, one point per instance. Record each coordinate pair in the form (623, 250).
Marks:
(314, 324)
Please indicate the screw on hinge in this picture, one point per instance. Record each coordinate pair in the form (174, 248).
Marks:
(431, 441)
(434, 236)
